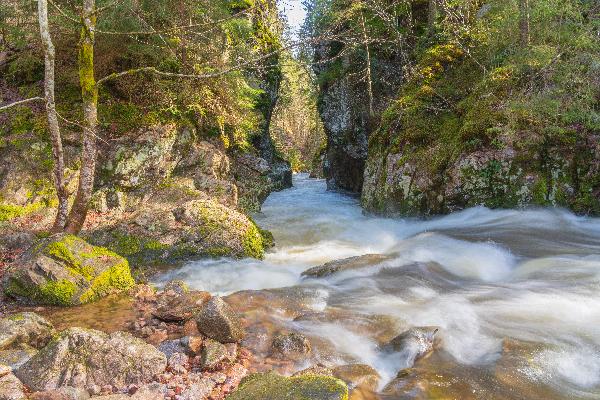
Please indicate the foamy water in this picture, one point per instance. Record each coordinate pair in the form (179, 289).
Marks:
(483, 276)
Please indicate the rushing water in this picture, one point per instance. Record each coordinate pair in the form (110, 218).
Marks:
(516, 294)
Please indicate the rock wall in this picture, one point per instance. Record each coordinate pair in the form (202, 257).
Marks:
(344, 108)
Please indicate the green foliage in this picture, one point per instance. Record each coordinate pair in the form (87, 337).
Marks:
(473, 88)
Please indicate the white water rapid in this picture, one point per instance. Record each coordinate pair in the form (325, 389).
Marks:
(516, 294)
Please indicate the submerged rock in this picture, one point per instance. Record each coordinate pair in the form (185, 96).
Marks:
(66, 270)
(292, 345)
(270, 386)
(85, 358)
(345, 264)
(358, 375)
(183, 307)
(414, 343)
(218, 321)
(25, 328)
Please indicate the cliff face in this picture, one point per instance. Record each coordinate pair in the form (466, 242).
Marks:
(345, 111)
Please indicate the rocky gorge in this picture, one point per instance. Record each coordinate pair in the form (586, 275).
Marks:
(204, 200)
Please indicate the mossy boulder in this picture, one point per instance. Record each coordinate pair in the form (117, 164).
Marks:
(217, 230)
(66, 270)
(270, 386)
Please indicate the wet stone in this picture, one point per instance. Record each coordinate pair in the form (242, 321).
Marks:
(213, 353)
(358, 375)
(218, 321)
(291, 345)
(183, 307)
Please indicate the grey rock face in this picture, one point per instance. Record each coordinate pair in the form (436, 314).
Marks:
(84, 358)
(25, 328)
(218, 321)
(11, 388)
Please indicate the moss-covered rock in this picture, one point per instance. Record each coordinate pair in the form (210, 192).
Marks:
(270, 386)
(214, 229)
(66, 270)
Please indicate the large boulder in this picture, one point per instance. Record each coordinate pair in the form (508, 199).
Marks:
(217, 229)
(86, 358)
(66, 270)
(218, 321)
(180, 222)
(270, 386)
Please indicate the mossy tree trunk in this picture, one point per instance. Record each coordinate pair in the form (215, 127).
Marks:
(52, 116)
(89, 94)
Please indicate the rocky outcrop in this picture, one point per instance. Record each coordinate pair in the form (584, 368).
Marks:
(86, 358)
(507, 175)
(344, 106)
(66, 270)
(270, 386)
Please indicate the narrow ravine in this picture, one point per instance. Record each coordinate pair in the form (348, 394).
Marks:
(515, 294)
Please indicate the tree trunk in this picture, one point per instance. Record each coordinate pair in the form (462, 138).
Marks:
(89, 94)
(369, 78)
(432, 16)
(53, 127)
(524, 37)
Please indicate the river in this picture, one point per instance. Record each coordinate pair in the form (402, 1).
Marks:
(516, 294)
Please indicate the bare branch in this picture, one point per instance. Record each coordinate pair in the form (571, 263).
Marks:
(16, 103)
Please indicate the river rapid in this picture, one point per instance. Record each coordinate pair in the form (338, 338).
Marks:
(516, 295)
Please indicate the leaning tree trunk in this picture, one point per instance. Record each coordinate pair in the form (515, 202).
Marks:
(57, 149)
(524, 36)
(89, 94)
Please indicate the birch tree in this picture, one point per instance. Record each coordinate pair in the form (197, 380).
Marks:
(52, 117)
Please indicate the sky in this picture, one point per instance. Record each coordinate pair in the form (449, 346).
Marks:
(295, 13)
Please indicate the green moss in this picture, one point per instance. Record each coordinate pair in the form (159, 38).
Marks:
(270, 386)
(253, 242)
(58, 293)
(12, 211)
(116, 278)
